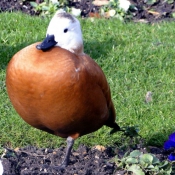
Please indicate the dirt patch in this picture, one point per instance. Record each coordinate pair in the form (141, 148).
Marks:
(159, 11)
(143, 12)
(83, 161)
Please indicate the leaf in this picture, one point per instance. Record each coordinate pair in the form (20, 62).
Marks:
(170, 1)
(169, 170)
(33, 4)
(155, 160)
(147, 158)
(156, 168)
(136, 170)
(150, 2)
(173, 15)
(135, 153)
(131, 160)
(45, 8)
(163, 164)
(126, 154)
(116, 158)
(150, 167)
(142, 163)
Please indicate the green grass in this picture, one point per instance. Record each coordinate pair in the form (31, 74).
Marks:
(135, 57)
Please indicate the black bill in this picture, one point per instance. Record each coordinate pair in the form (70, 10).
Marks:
(47, 44)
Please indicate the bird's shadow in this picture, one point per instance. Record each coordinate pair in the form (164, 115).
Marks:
(7, 52)
(94, 49)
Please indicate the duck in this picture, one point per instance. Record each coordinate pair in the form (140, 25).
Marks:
(57, 88)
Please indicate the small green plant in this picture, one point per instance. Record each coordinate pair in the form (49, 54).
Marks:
(141, 164)
(48, 7)
(113, 6)
(150, 2)
(113, 9)
(173, 15)
(169, 1)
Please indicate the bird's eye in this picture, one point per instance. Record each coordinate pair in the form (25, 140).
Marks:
(65, 30)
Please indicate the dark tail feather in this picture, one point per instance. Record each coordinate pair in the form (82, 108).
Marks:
(111, 120)
(116, 128)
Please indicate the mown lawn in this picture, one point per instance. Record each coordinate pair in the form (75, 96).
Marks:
(135, 57)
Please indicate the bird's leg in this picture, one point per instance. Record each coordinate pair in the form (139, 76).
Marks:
(70, 143)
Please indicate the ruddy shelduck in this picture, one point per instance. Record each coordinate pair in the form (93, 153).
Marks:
(55, 87)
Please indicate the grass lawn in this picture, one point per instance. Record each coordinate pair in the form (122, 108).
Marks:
(135, 57)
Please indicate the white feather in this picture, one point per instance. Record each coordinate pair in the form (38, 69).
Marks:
(71, 40)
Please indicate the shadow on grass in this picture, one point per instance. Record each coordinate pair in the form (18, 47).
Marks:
(7, 52)
(94, 49)
(5, 55)
(158, 138)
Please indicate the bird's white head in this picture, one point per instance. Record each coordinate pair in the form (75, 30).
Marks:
(64, 30)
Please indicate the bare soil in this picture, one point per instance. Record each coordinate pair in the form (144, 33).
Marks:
(83, 161)
(144, 12)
